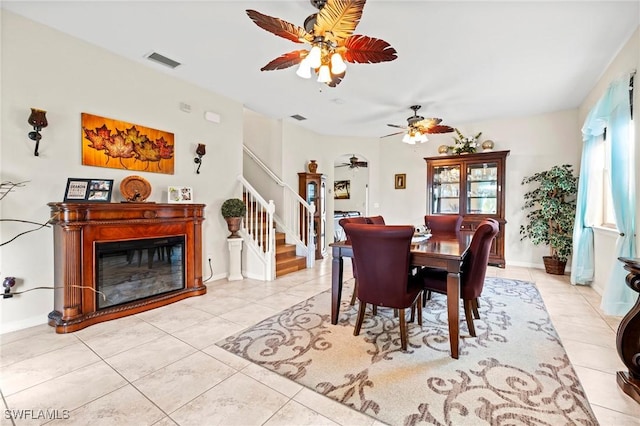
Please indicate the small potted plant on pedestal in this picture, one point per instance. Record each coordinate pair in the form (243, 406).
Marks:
(552, 214)
(233, 210)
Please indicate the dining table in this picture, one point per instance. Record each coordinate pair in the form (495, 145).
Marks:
(445, 251)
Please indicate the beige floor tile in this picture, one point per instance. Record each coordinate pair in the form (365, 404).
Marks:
(331, 409)
(233, 361)
(232, 402)
(35, 331)
(166, 421)
(218, 305)
(249, 314)
(175, 316)
(70, 391)
(273, 380)
(602, 390)
(19, 350)
(608, 417)
(593, 356)
(281, 301)
(119, 340)
(32, 371)
(107, 327)
(294, 413)
(124, 406)
(178, 383)
(149, 357)
(208, 332)
(597, 333)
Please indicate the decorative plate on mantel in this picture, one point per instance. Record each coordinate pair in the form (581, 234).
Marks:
(135, 189)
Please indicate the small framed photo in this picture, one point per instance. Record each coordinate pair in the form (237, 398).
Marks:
(180, 194)
(90, 190)
(401, 181)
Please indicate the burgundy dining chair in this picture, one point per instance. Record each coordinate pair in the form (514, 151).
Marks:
(474, 269)
(439, 223)
(381, 254)
(375, 220)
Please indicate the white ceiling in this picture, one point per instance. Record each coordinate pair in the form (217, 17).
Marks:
(462, 61)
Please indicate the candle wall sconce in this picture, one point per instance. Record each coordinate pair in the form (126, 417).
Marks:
(38, 120)
(200, 152)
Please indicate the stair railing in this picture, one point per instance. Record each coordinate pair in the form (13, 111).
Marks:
(258, 227)
(296, 215)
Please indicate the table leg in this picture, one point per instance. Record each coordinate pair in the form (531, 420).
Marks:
(336, 284)
(453, 311)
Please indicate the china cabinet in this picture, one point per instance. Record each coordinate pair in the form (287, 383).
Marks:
(471, 185)
(312, 187)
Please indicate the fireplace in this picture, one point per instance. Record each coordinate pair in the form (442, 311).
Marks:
(118, 259)
(132, 270)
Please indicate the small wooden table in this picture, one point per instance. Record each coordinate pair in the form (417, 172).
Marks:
(445, 251)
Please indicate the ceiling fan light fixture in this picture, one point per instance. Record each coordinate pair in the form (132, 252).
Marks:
(315, 57)
(337, 64)
(304, 70)
(324, 75)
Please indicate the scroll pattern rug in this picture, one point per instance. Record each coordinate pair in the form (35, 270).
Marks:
(515, 372)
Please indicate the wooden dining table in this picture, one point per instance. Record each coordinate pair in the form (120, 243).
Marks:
(445, 251)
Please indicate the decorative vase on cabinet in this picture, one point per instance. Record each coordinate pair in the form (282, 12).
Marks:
(472, 186)
(312, 166)
(312, 187)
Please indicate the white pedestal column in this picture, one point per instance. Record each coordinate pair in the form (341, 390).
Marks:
(235, 259)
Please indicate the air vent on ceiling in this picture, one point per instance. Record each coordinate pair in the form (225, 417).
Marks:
(161, 59)
(299, 117)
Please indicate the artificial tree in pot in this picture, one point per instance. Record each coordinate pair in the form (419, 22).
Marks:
(552, 211)
(233, 210)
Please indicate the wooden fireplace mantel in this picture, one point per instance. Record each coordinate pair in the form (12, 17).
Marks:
(76, 229)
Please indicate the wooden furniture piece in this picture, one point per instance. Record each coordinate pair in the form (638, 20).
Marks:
(473, 186)
(438, 223)
(312, 187)
(628, 335)
(382, 258)
(78, 228)
(474, 269)
(440, 251)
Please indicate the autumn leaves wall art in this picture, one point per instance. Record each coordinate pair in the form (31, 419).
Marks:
(121, 145)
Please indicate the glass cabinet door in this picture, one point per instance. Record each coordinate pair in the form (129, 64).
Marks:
(446, 190)
(311, 194)
(482, 188)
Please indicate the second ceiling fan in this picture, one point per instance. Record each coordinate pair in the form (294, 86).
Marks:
(417, 126)
(353, 163)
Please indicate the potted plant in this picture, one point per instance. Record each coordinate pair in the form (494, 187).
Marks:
(552, 206)
(233, 210)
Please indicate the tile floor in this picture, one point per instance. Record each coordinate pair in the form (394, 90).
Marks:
(162, 367)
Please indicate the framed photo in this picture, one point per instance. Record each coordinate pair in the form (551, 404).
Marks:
(90, 190)
(401, 181)
(341, 189)
(180, 194)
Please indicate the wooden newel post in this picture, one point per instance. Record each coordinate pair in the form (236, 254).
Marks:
(628, 336)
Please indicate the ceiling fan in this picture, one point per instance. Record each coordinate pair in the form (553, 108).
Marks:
(353, 163)
(418, 125)
(329, 32)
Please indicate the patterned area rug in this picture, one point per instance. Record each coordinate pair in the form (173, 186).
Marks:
(514, 372)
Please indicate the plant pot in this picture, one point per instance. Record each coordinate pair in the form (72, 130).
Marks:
(233, 224)
(553, 265)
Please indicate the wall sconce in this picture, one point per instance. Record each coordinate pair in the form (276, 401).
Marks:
(200, 151)
(38, 120)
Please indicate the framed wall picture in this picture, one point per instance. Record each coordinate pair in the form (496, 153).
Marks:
(401, 181)
(89, 190)
(341, 189)
(180, 194)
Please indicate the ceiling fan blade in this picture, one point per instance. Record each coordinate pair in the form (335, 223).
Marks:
(337, 19)
(368, 50)
(279, 27)
(360, 164)
(437, 129)
(399, 127)
(392, 134)
(285, 61)
(428, 122)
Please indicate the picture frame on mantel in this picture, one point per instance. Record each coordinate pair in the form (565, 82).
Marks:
(180, 194)
(88, 190)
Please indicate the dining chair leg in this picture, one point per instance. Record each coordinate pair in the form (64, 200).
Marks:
(355, 289)
(467, 314)
(475, 306)
(426, 295)
(403, 330)
(361, 309)
(419, 302)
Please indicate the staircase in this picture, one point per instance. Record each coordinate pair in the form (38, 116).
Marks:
(286, 259)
